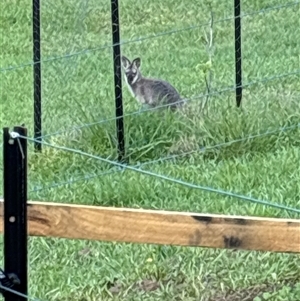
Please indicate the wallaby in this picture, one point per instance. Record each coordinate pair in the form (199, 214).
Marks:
(153, 92)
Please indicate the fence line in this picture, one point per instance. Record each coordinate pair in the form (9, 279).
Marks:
(203, 221)
(227, 89)
(160, 34)
(171, 157)
(163, 177)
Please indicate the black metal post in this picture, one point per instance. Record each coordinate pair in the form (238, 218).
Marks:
(118, 79)
(15, 209)
(238, 52)
(37, 73)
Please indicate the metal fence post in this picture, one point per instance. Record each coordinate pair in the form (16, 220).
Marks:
(118, 78)
(238, 52)
(15, 209)
(37, 73)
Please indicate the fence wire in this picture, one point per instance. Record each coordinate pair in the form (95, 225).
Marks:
(16, 293)
(196, 97)
(163, 177)
(160, 160)
(76, 89)
(140, 39)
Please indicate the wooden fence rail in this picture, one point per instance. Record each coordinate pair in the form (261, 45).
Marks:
(161, 227)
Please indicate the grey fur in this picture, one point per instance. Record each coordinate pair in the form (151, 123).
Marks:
(153, 92)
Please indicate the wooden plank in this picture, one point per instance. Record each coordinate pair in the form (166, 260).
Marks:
(162, 227)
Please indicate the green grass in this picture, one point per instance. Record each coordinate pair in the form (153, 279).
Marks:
(79, 90)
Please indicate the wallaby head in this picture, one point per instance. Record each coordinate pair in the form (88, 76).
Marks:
(132, 69)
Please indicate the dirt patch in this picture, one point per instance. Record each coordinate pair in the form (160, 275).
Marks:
(248, 294)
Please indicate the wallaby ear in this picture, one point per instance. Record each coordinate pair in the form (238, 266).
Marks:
(125, 62)
(136, 63)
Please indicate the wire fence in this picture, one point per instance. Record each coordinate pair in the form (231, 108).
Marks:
(80, 22)
(79, 93)
(59, 87)
(196, 97)
(166, 178)
(140, 39)
(162, 159)
(60, 80)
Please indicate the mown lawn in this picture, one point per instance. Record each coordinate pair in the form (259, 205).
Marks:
(78, 89)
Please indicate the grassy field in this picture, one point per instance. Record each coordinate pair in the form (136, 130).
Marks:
(78, 90)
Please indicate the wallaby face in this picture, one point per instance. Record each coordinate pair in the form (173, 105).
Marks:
(153, 92)
(132, 70)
